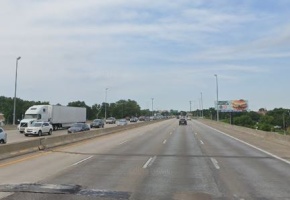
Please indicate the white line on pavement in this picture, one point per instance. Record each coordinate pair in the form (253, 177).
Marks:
(201, 142)
(215, 163)
(149, 162)
(164, 142)
(257, 148)
(82, 160)
(124, 142)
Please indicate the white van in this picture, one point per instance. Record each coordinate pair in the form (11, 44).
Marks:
(3, 136)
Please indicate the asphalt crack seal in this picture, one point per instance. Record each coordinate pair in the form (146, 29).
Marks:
(63, 189)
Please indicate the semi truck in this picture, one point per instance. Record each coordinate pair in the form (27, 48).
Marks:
(58, 116)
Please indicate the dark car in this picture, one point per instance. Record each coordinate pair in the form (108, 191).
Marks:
(97, 123)
(182, 121)
(78, 127)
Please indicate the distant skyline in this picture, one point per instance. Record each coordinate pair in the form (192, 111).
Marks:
(73, 50)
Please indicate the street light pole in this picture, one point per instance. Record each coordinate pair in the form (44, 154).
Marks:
(152, 106)
(217, 98)
(14, 107)
(190, 106)
(106, 104)
(201, 105)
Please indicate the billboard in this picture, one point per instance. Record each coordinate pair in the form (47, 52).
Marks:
(239, 105)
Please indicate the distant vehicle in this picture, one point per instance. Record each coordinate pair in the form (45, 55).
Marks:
(122, 122)
(97, 123)
(57, 116)
(142, 118)
(133, 119)
(38, 128)
(188, 118)
(111, 120)
(147, 118)
(78, 127)
(3, 136)
(182, 121)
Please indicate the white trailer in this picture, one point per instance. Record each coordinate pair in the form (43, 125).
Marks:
(58, 116)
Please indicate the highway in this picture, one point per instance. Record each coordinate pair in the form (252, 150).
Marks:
(15, 136)
(160, 161)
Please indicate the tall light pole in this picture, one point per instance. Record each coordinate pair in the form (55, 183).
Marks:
(14, 107)
(217, 97)
(152, 99)
(106, 103)
(190, 106)
(201, 101)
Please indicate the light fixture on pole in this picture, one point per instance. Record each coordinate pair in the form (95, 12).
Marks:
(217, 98)
(14, 107)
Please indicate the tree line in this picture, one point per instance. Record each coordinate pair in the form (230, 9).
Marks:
(276, 120)
(119, 109)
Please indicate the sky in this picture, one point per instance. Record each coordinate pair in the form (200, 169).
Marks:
(170, 51)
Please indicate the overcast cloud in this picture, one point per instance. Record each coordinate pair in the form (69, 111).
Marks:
(141, 49)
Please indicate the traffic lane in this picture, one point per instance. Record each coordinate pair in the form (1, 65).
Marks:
(179, 171)
(243, 170)
(46, 164)
(122, 166)
(99, 145)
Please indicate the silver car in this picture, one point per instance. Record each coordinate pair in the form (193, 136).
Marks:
(3, 136)
(122, 122)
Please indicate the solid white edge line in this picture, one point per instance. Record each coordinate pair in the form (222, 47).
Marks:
(83, 160)
(250, 145)
(164, 142)
(147, 163)
(201, 142)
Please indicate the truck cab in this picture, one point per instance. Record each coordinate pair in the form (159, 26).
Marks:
(34, 113)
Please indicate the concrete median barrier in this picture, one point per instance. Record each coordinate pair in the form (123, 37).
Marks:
(18, 148)
(42, 143)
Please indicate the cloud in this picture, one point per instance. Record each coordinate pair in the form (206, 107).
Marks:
(138, 49)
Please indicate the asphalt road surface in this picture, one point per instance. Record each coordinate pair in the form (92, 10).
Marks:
(160, 161)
